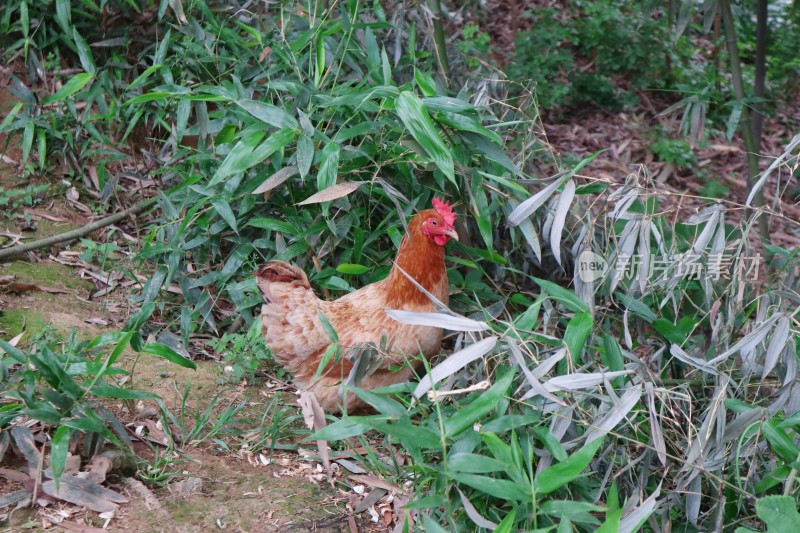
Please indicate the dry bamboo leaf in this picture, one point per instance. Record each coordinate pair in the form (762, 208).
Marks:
(333, 192)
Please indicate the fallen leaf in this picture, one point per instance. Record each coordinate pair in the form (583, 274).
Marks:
(376, 482)
(45, 216)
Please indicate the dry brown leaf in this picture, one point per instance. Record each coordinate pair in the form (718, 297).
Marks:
(276, 179)
(29, 287)
(376, 482)
(80, 528)
(315, 419)
(333, 192)
(42, 214)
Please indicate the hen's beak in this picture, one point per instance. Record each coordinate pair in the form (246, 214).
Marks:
(451, 232)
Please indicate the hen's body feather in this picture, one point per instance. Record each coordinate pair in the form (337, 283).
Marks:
(296, 336)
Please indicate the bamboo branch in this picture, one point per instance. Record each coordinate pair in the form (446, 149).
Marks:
(750, 143)
(7, 254)
(440, 44)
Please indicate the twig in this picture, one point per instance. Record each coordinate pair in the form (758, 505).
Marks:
(21, 249)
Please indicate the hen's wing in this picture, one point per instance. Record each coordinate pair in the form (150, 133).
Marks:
(289, 320)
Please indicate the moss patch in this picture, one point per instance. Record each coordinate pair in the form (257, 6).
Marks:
(46, 274)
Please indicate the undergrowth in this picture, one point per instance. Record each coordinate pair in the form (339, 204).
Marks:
(632, 368)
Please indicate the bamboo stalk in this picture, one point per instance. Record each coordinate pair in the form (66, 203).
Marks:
(19, 250)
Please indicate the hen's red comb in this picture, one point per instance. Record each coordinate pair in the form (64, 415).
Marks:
(445, 210)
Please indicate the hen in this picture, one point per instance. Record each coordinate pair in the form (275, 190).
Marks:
(294, 332)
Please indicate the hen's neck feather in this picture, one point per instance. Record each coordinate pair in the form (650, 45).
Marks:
(421, 259)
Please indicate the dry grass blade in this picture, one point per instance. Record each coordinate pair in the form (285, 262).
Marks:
(658, 437)
(780, 336)
(548, 364)
(536, 386)
(581, 380)
(705, 366)
(614, 415)
(439, 305)
(763, 179)
(276, 179)
(376, 482)
(634, 519)
(333, 192)
(562, 208)
(700, 444)
(454, 363)
(473, 513)
(84, 492)
(314, 418)
(438, 320)
(529, 206)
(746, 343)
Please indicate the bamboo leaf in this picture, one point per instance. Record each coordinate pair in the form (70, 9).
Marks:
(333, 192)
(415, 117)
(454, 363)
(568, 470)
(438, 320)
(564, 202)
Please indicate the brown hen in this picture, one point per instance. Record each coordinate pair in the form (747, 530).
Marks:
(294, 332)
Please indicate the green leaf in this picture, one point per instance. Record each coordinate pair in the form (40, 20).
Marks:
(670, 331)
(248, 152)
(9, 118)
(425, 83)
(483, 402)
(568, 470)
(464, 123)
(59, 448)
(563, 296)
(733, 119)
(272, 224)
(141, 78)
(578, 330)
(329, 167)
(326, 358)
(13, 351)
(84, 52)
(269, 114)
(382, 403)
(342, 429)
(224, 210)
(779, 513)
(326, 325)
(636, 307)
(483, 213)
(780, 442)
(304, 155)
(473, 463)
(612, 358)
(24, 18)
(104, 390)
(507, 525)
(415, 117)
(74, 85)
(27, 140)
(409, 435)
(162, 350)
(319, 71)
(576, 511)
(387, 69)
(350, 268)
(63, 15)
(498, 488)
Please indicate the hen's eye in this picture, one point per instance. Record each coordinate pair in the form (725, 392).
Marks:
(435, 222)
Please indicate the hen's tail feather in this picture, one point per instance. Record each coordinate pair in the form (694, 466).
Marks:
(279, 272)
